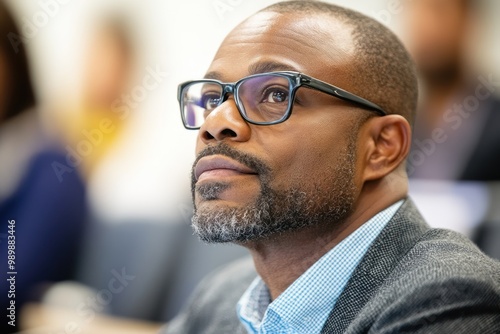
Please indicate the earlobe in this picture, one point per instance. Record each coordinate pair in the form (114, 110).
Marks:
(390, 138)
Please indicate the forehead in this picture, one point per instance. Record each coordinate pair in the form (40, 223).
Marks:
(317, 45)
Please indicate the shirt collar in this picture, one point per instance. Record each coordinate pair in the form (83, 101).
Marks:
(305, 305)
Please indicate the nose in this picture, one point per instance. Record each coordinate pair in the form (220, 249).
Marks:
(225, 123)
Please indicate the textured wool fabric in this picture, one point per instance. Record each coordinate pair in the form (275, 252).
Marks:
(413, 279)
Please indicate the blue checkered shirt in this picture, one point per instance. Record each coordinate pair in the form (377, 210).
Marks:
(304, 307)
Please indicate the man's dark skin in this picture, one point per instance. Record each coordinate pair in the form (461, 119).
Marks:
(301, 151)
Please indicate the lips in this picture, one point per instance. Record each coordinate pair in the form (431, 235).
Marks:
(218, 165)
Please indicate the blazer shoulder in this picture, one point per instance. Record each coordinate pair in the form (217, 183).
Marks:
(452, 254)
(212, 306)
(444, 283)
(410, 260)
(435, 253)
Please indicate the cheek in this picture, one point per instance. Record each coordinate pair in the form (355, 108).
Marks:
(305, 156)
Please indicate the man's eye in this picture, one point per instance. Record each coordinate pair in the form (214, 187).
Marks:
(210, 101)
(275, 95)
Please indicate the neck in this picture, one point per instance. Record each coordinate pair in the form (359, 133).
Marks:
(284, 258)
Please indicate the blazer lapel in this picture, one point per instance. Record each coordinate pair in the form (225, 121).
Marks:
(395, 240)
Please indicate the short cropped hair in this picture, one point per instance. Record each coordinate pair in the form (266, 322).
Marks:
(385, 72)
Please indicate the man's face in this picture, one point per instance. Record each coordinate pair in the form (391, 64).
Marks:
(251, 182)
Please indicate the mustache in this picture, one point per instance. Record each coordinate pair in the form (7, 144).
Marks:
(256, 164)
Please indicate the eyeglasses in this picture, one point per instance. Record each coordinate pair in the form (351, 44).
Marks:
(262, 99)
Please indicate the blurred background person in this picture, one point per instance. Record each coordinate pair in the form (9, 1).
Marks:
(97, 116)
(49, 213)
(456, 135)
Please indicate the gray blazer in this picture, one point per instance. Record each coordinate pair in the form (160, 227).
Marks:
(413, 279)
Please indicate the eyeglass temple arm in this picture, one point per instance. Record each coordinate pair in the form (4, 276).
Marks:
(341, 94)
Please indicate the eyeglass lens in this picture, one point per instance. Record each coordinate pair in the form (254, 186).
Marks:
(261, 99)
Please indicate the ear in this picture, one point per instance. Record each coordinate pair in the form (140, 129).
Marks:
(388, 143)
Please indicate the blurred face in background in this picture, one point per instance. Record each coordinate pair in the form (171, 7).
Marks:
(4, 78)
(108, 67)
(435, 32)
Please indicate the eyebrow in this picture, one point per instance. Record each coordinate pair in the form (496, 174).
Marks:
(256, 68)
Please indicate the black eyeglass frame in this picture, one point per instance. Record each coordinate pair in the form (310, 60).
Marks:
(296, 80)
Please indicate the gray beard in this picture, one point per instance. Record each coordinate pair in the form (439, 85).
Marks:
(274, 212)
